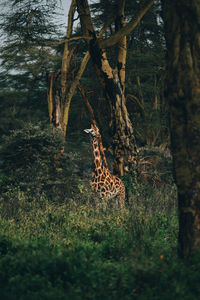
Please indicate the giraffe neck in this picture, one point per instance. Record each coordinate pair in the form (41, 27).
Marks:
(97, 156)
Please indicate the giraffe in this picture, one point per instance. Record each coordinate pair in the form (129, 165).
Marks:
(104, 183)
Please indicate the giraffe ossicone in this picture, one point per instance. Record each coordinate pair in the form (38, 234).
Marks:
(107, 185)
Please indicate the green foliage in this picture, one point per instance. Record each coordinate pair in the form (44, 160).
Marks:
(29, 20)
(54, 244)
(154, 177)
(25, 25)
(32, 162)
(155, 166)
(72, 251)
(24, 61)
(16, 109)
(25, 64)
(145, 61)
(29, 150)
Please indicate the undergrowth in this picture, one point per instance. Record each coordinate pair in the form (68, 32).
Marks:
(55, 245)
(72, 251)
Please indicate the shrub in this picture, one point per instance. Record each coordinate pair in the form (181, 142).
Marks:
(32, 163)
(71, 251)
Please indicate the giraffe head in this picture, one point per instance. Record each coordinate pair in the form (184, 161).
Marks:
(93, 131)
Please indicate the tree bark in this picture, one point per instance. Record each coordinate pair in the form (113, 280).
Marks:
(112, 80)
(54, 103)
(182, 23)
(124, 145)
(62, 88)
(67, 53)
(125, 30)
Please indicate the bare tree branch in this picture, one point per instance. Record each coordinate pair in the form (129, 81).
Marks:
(126, 29)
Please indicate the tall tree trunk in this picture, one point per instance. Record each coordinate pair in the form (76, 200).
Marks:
(61, 87)
(54, 101)
(182, 23)
(124, 145)
(112, 80)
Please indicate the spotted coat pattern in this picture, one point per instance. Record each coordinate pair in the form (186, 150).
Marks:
(107, 185)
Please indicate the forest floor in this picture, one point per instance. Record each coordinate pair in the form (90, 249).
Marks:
(72, 251)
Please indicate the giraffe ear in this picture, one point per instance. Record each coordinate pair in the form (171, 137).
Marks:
(87, 130)
(90, 131)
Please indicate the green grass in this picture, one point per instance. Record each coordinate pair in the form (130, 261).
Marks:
(71, 251)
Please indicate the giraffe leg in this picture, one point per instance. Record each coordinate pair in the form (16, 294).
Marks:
(117, 202)
(104, 202)
(97, 203)
(121, 202)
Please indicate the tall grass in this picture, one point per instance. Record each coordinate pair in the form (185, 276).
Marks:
(54, 244)
(72, 251)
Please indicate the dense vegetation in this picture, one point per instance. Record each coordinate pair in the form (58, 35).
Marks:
(54, 243)
(72, 251)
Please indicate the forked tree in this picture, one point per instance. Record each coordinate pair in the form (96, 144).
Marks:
(113, 79)
(61, 86)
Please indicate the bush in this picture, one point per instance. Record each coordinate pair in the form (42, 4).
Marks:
(72, 251)
(28, 155)
(32, 163)
(51, 248)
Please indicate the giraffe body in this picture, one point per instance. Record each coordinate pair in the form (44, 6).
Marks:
(107, 185)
